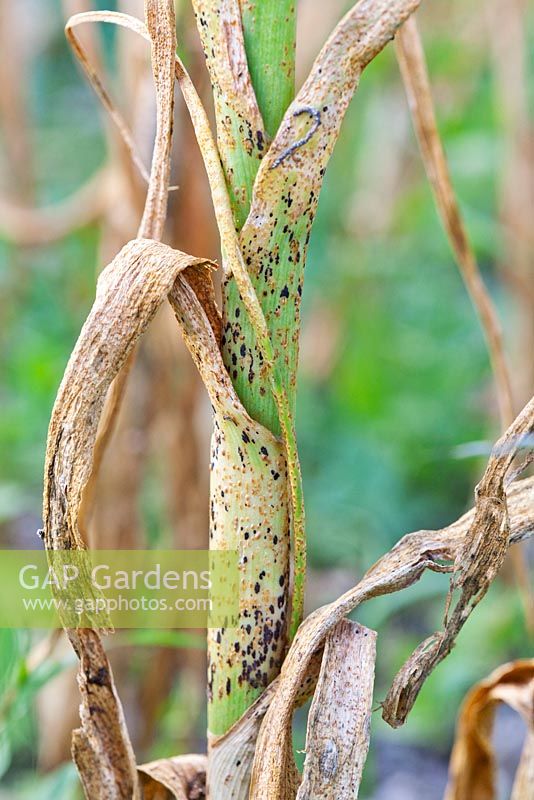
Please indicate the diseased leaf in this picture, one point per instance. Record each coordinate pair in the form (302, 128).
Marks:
(476, 565)
(275, 237)
(101, 748)
(240, 130)
(239, 743)
(339, 722)
(81, 54)
(401, 567)
(130, 291)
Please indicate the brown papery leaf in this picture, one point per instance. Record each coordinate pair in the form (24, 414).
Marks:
(399, 568)
(94, 79)
(180, 778)
(129, 292)
(412, 63)
(473, 761)
(339, 722)
(161, 26)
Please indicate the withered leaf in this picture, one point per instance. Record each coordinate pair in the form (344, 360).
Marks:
(472, 770)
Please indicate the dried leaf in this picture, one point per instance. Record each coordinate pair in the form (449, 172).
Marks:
(473, 765)
(339, 722)
(180, 778)
(161, 26)
(476, 564)
(239, 743)
(130, 291)
(412, 63)
(401, 567)
(92, 76)
(160, 30)
(101, 748)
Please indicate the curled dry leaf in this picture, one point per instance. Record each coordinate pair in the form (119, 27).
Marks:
(180, 778)
(339, 722)
(130, 291)
(94, 79)
(477, 562)
(412, 63)
(399, 568)
(473, 761)
(161, 26)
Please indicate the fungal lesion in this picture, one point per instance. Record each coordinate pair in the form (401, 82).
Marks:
(315, 115)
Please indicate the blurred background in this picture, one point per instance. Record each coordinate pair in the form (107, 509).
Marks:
(396, 407)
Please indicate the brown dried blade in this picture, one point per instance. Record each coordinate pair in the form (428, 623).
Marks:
(472, 769)
(101, 748)
(161, 26)
(179, 778)
(92, 76)
(130, 291)
(339, 722)
(242, 737)
(412, 63)
(477, 562)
